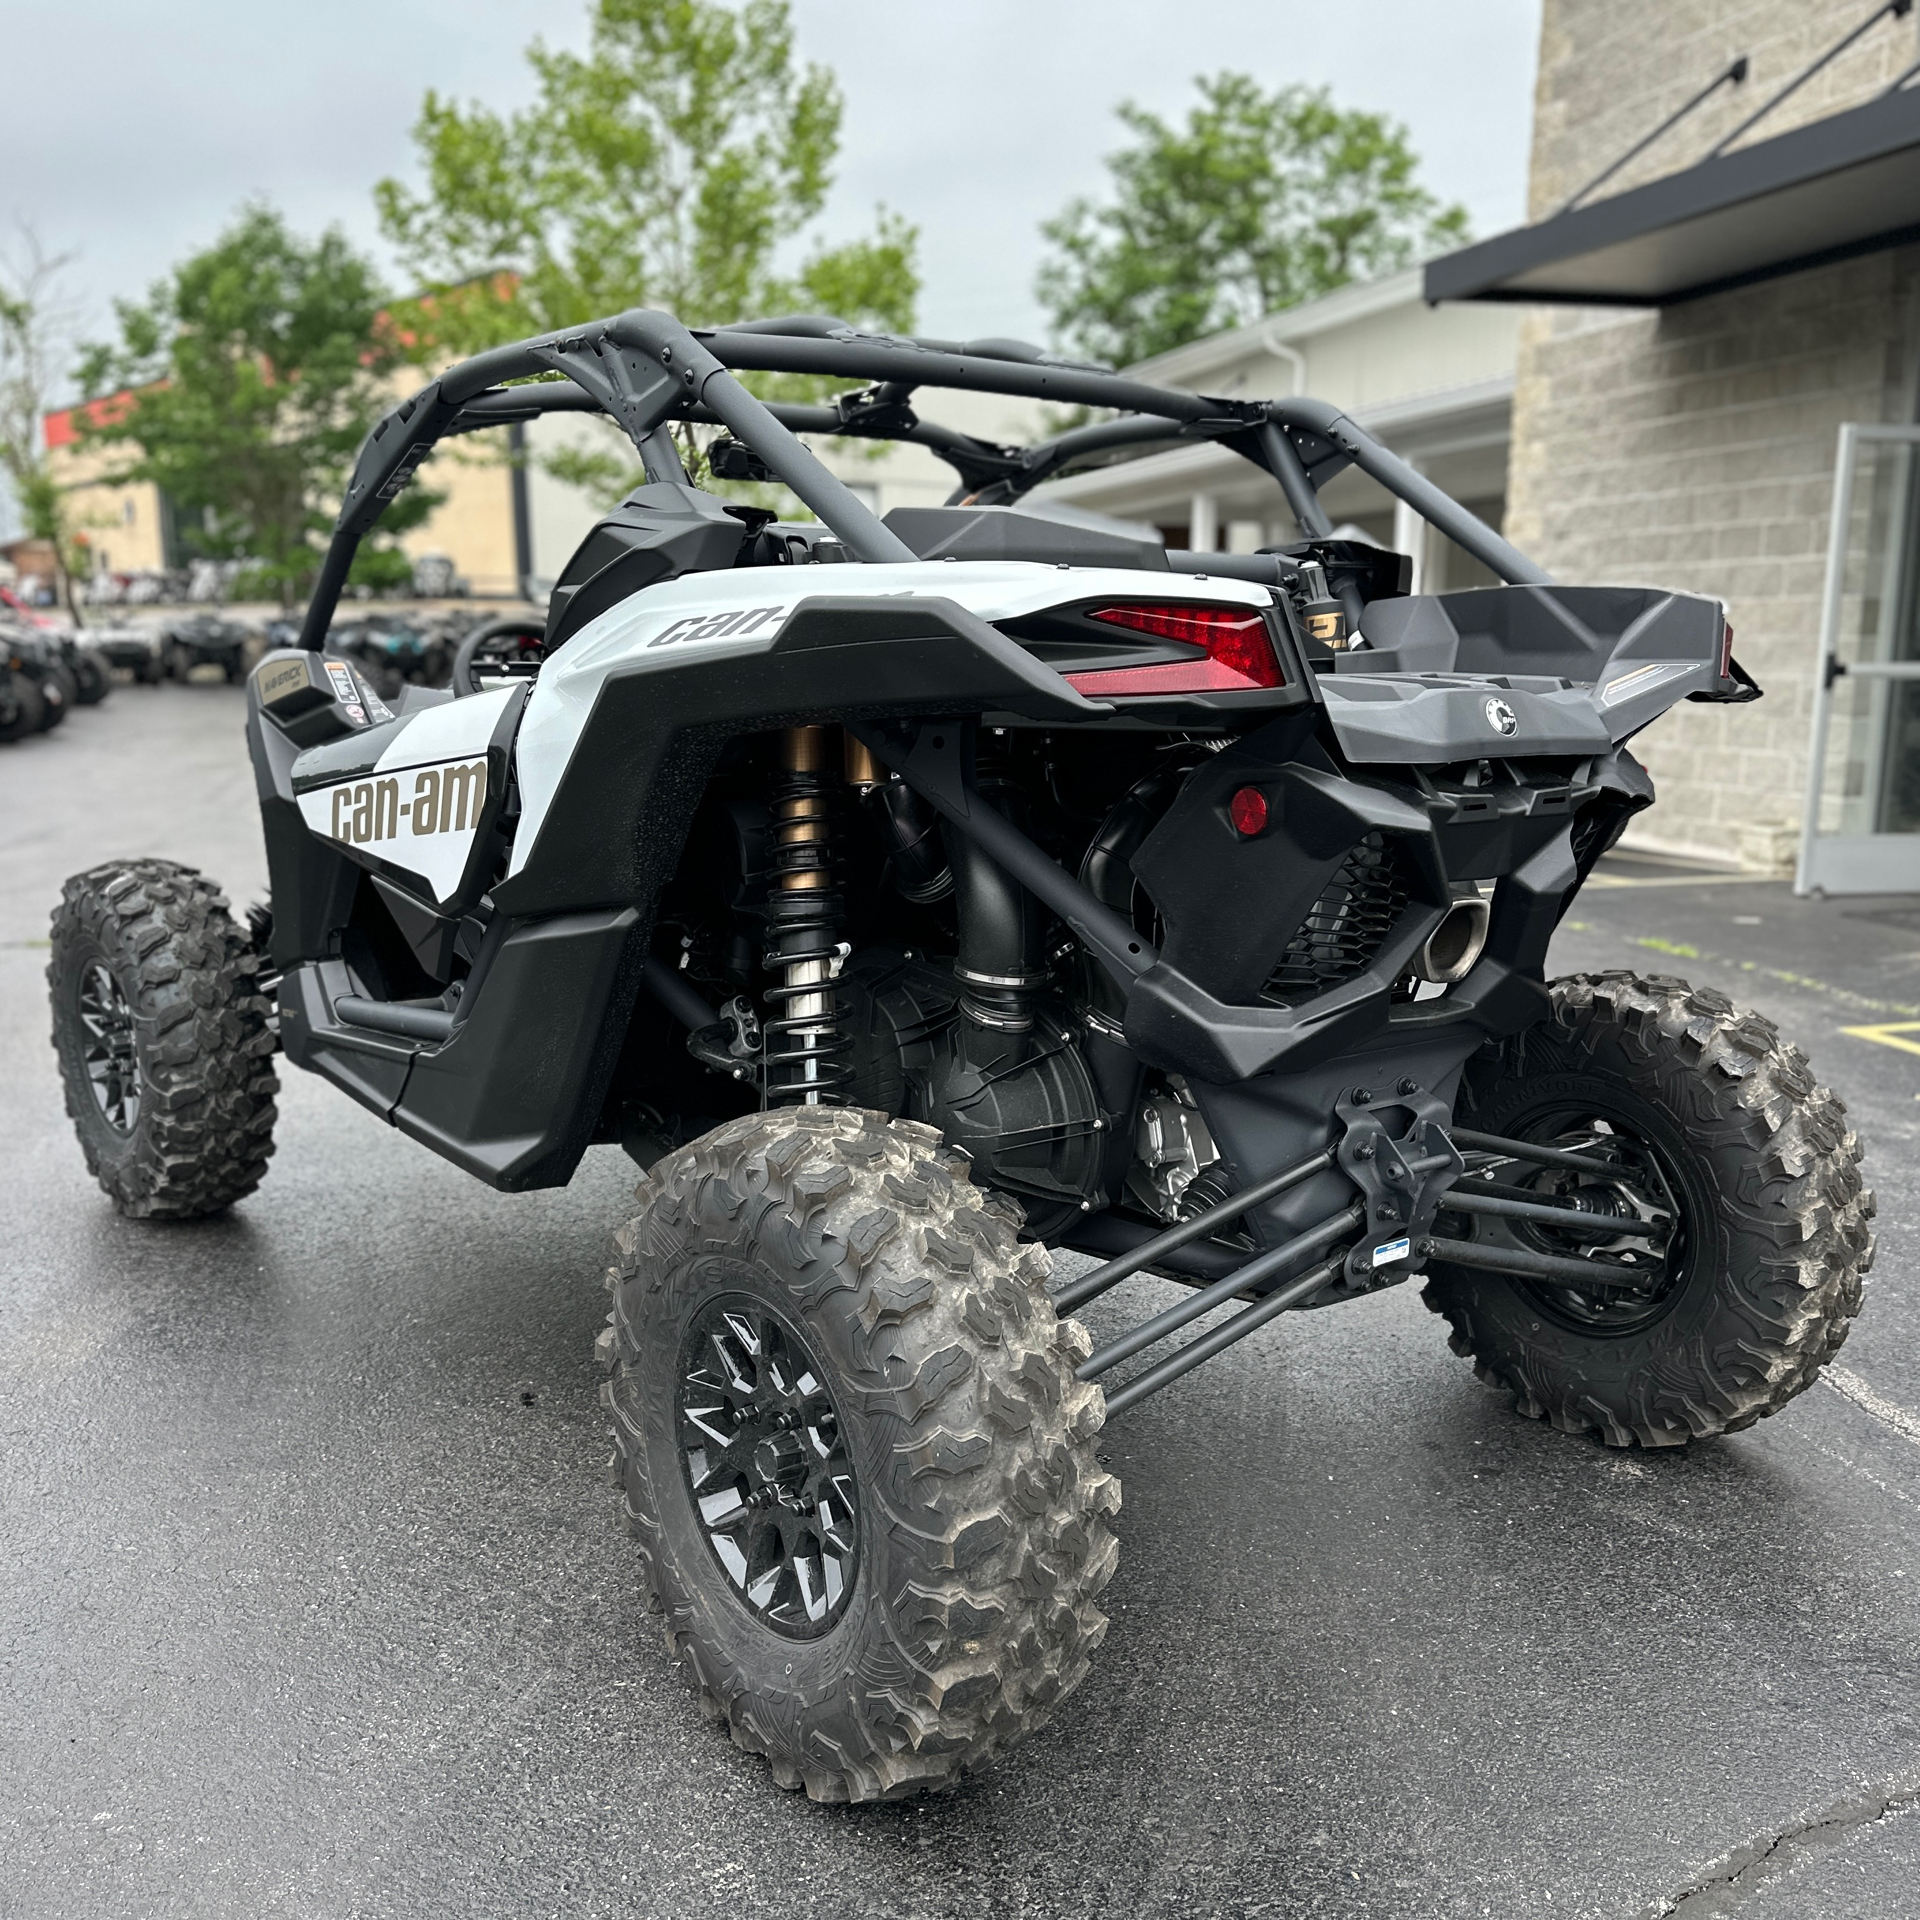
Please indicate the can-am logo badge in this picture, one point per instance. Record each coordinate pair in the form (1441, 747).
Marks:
(1501, 717)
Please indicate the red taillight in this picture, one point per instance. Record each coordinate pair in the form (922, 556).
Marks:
(1726, 650)
(1238, 652)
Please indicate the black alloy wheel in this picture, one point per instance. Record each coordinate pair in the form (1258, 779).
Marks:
(112, 1061)
(767, 1467)
(853, 1453)
(1741, 1172)
(164, 1039)
(1645, 1192)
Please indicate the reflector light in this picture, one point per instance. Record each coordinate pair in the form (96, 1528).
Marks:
(1238, 654)
(1248, 811)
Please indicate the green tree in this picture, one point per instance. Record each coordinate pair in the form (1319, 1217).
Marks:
(674, 165)
(671, 166)
(253, 372)
(1259, 202)
(35, 323)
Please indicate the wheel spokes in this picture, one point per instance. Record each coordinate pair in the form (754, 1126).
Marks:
(109, 1055)
(766, 1467)
(1639, 1192)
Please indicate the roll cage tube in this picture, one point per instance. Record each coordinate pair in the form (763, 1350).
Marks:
(643, 369)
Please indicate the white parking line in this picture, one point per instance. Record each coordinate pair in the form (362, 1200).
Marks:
(1850, 1386)
(1605, 882)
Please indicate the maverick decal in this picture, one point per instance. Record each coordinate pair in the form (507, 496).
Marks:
(278, 678)
(735, 624)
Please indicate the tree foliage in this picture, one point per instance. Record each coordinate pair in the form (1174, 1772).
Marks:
(253, 372)
(1261, 200)
(670, 166)
(35, 323)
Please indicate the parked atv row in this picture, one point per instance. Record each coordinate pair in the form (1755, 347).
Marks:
(393, 650)
(170, 650)
(396, 650)
(46, 674)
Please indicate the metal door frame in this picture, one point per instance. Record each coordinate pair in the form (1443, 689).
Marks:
(1849, 862)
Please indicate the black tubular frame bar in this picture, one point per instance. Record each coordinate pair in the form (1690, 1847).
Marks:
(1262, 1267)
(1248, 1320)
(645, 370)
(1090, 1286)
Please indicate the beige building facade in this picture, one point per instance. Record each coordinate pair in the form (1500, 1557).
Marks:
(121, 528)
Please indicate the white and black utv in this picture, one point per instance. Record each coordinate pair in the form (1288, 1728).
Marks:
(913, 897)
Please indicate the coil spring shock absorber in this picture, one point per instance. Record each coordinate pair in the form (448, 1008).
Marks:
(805, 1037)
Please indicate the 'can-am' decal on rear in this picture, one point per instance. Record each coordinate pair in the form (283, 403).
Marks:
(445, 800)
(422, 819)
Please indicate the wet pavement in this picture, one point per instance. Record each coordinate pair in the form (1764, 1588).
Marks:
(316, 1603)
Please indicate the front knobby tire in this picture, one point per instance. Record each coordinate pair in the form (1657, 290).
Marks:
(853, 1452)
(29, 711)
(164, 1039)
(1753, 1163)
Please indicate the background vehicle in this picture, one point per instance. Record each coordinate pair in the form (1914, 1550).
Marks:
(402, 650)
(82, 663)
(1011, 885)
(12, 697)
(206, 639)
(136, 649)
(436, 578)
(45, 685)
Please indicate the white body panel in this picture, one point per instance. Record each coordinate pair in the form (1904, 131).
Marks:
(436, 770)
(706, 614)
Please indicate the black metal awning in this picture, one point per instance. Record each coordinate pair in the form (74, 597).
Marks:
(1846, 185)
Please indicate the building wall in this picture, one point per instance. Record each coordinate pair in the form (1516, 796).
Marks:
(1694, 447)
(122, 527)
(473, 525)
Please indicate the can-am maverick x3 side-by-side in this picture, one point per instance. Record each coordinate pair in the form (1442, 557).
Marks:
(911, 897)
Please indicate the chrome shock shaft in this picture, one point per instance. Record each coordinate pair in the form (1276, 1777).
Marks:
(806, 1039)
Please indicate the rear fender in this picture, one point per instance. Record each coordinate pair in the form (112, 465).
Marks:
(624, 748)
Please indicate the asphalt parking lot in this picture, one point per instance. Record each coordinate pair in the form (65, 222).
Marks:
(316, 1604)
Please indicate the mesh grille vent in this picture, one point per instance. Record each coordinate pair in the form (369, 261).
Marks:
(1346, 926)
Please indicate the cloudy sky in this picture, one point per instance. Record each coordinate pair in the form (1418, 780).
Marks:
(130, 131)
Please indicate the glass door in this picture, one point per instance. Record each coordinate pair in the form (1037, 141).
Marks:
(1861, 830)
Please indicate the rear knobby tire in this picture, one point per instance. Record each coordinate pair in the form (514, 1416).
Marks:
(91, 679)
(1766, 1173)
(981, 1509)
(164, 1039)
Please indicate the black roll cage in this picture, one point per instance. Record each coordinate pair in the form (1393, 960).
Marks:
(644, 369)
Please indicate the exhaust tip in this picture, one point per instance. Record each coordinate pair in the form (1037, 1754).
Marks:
(1455, 944)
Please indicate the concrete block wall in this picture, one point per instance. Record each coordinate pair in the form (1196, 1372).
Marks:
(1694, 447)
